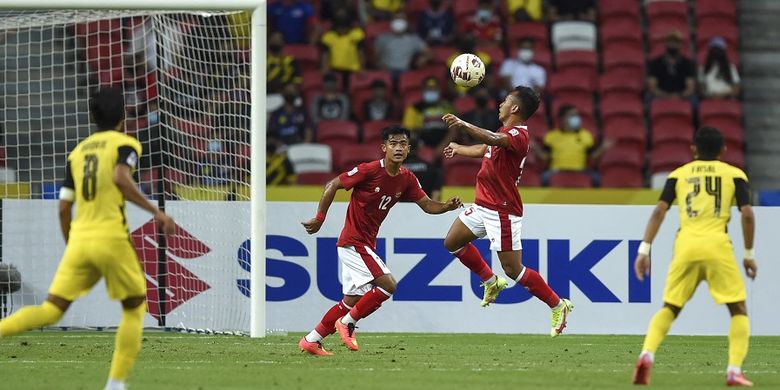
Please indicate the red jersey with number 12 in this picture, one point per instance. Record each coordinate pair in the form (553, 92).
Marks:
(500, 173)
(374, 193)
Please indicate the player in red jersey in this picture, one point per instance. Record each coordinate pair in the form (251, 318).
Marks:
(498, 210)
(366, 280)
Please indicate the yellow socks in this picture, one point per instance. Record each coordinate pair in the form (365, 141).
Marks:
(30, 317)
(739, 332)
(128, 342)
(658, 328)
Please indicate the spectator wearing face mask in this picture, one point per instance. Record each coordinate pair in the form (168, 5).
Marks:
(290, 124)
(718, 78)
(424, 118)
(332, 104)
(672, 74)
(343, 46)
(395, 51)
(560, 10)
(522, 70)
(380, 107)
(483, 115)
(435, 25)
(485, 25)
(569, 147)
(281, 69)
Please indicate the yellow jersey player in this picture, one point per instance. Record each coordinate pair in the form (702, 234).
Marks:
(98, 179)
(705, 189)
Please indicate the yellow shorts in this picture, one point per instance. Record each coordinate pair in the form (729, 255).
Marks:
(700, 259)
(85, 261)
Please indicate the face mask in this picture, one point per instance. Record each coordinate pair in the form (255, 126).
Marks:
(481, 101)
(673, 51)
(484, 15)
(215, 146)
(575, 122)
(398, 26)
(430, 96)
(153, 117)
(525, 55)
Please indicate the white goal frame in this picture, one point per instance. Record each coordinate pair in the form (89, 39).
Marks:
(257, 121)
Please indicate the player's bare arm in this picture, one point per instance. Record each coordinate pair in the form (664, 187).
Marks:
(313, 225)
(456, 149)
(124, 180)
(481, 135)
(431, 206)
(66, 216)
(748, 232)
(642, 263)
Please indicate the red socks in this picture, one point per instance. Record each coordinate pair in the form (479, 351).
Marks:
(534, 283)
(470, 257)
(369, 303)
(325, 327)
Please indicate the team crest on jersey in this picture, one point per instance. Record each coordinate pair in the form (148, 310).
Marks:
(398, 194)
(376, 189)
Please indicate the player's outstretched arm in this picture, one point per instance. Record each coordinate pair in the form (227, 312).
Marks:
(481, 135)
(456, 149)
(124, 180)
(313, 225)
(431, 206)
(748, 233)
(642, 263)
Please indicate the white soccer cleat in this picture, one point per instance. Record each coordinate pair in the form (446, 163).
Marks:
(559, 315)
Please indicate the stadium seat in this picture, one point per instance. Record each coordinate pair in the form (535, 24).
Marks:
(662, 109)
(724, 109)
(571, 180)
(105, 26)
(621, 106)
(573, 35)
(2, 156)
(411, 98)
(720, 9)
(315, 178)
(132, 125)
(307, 56)
(311, 80)
(619, 85)
(533, 30)
(356, 155)
(440, 54)
(111, 77)
(624, 31)
(412, 80)
(628, 131)
(667, 9)
(621, 157)
(670, 156)
(530, 178)
(582, 61)
(707, 29)
(495, 52)
(609, 10)
(735, 157)
(731, 52)
(375, 29)
(310, 158)
(363, 80)
(672, 130)
(464, 8)
(622, 177)
(372, 131)
(175, 176)
(464, 104)
(337, 132)
(461, 171)
(358, 100)
(538, 126)
(570, 82)
(629, 60)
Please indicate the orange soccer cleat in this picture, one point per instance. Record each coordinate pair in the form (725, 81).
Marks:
(314, 348)
(642, 371)
(347, 334)
(737, 379)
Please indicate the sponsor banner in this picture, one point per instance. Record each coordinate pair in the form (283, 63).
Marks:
(584, 252)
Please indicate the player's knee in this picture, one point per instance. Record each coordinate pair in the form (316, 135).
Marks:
(674, 309)
(133, 302)
(451, 245)
(737, 308)
(512, 270)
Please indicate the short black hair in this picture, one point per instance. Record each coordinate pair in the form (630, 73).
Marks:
(389, 131)
(564, 109)
(709, 142)
(107, 107)
(529, 100)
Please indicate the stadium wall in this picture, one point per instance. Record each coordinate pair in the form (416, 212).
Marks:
(585, 252)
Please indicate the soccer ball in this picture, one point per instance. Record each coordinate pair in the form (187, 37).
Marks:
(467, 70)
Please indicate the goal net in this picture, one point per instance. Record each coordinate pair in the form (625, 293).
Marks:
(186, 82)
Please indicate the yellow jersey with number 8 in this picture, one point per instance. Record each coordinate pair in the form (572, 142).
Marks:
(100, 205)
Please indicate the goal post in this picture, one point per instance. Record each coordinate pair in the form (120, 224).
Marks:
(257, 114)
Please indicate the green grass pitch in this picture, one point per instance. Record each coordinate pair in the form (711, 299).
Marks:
(70, 360)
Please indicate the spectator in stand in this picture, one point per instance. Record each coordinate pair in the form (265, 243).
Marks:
(430, 175)
(563, 10)
(435, 25)
(672, 74)
(278, 169)
(343, 46)
(383, 9)
(424, 118)
(395, 51)
(569, 147)
(485, 25)
(332, 104)
(718, 78)
(525, 10)
(380, 107)
(522, 70)
(282, 69)
(483, 115)
(290, 124)
(292, 18)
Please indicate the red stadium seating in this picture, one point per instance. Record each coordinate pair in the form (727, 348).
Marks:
(538, 127)
(358, 154)
(659, 30)
(363, 80)
(440, 54)
(731, 52)
(584, 62)
(628, 131)
(375, 29)
(571, 180)
(461, 171)
(726, 115)
(307, 56)
(530, 178)
(620, 85)
(464, 104)
(671, 108)
(464, 8)
(622, 177)
(609, 10)
(413, 80)
(630, 61)
(668, 9)
(668, 157)
(337, 132)
(708, 29)
(623, 31)
(570, 82)
(372, 131)
(520, 30)
(621, 157)
(357, 101)
(725, 9)
(495, 52)
(672, 130)
(734, 156)
(315, 178)
(108, 26)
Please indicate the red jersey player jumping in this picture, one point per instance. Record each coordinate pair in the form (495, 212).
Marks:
(366, 280)
(498, 210)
